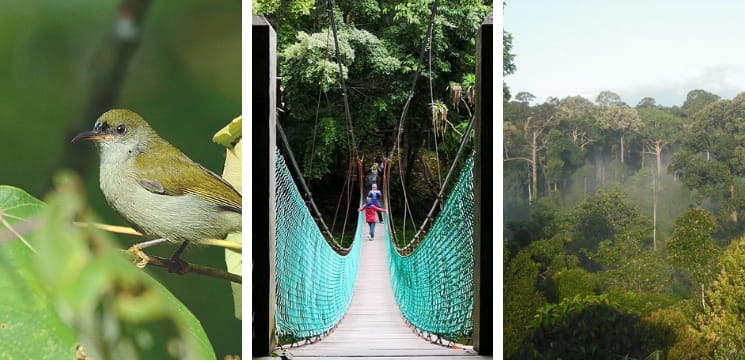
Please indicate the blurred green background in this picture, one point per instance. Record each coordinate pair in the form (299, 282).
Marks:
(184, 78)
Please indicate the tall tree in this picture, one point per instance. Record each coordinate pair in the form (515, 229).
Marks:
(691, 247)
(659, 130)
(609, 215)
(524, 97)
(380, 43)
(711, 160)
(577, 115)
(723, 323)
(521, 297)
(696, 100)
(647, 102)
(607, 98)
(534, 129)
(508, 63)
(615, 115)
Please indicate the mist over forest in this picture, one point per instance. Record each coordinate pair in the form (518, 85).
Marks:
(624, 227)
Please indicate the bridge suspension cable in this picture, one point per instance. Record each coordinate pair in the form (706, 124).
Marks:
(445, 183)
(306, 190)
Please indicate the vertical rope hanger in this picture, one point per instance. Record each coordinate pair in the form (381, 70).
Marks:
(402, 120)
(347, 114)
(426, 45)
(308, 195)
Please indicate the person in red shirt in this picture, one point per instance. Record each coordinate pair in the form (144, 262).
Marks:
(371, 215)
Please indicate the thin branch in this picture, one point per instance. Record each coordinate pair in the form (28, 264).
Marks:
(187, 267)
(110, 228)
(226, 244)
(519, 158)
(232, 245)
(107, 72)
(31, 225)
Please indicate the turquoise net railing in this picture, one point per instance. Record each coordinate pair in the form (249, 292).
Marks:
(433, 285)
(314, 283)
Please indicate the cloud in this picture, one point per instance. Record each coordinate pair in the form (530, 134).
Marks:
(726, 80)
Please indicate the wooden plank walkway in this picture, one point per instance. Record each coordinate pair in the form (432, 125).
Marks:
(373, 327)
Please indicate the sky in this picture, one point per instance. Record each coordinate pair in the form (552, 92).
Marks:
(637, 49)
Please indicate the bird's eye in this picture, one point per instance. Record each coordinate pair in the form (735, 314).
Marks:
(121, 129)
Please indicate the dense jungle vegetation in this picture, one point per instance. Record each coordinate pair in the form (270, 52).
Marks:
(623, 226)
(379, 44)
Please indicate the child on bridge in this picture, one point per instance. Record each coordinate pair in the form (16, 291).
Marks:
(375, 195)
(371, 215)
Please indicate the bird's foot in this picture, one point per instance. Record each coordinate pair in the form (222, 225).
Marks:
(178, 266)
(144, 259)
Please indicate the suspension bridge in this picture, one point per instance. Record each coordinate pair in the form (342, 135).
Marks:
(314, 299)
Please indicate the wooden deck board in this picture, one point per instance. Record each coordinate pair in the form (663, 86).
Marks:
(373, 327)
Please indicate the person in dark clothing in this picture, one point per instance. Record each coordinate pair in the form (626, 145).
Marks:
(375, 195)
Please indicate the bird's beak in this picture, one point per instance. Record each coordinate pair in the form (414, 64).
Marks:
(91, 135)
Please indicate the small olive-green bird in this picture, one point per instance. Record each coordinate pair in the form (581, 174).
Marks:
(158, 189)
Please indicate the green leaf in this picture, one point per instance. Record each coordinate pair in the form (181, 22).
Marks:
(232, 173)
(30, 328)
(228, 135)
(81, 290)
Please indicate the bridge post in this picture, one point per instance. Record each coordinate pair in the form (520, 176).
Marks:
(262, 195)
(483, 240)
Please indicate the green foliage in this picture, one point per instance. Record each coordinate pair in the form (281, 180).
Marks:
(723, 324)
(691, 247)
(662, 329)
(27, 318)
(508, 63)
(697, 100)
(711, 161)
(309, 62)
(609, 215)
(329, 137)
(708, 178)
(184, 78)
(582, 328)
(562, 155)
(629, 265)
(380, 44)
(230, 136)
(80, 291)
(576, 282)
(521, 300)
(644, 303)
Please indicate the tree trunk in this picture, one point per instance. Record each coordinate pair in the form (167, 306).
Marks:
(534, 159)
(658, 153)
(654, 211)
(733, 215)
(530, 189)
(584, 189)
(622, 136)
(642, 155)
(703, 299)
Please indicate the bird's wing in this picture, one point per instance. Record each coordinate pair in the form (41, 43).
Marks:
(179, 175)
